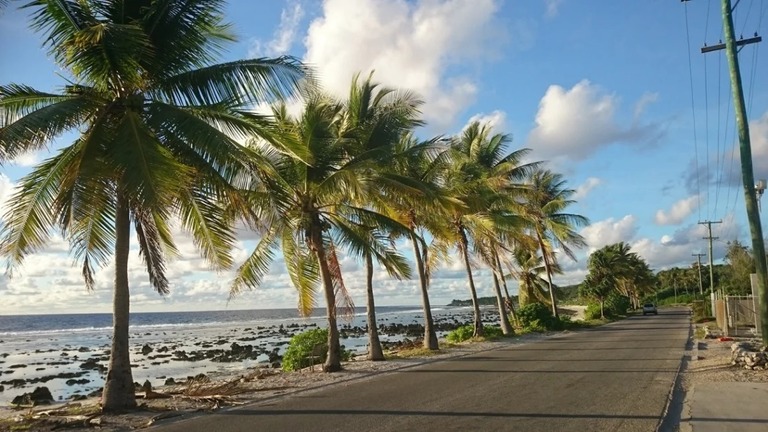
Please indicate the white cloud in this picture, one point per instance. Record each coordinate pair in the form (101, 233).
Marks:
(610, 231)
(27, 160)
(410, 45)
(553, 7)
(758, 134)
(285, 35)
(573, 124)
(585, 188)
(497, 120)
(679, 211)
(6, 190)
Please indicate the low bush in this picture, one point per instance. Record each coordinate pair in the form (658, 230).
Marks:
(299, 353)
(465, 333)
(616, 305)
(461, 334)
(592, 312)
(308, 348)
(536, 312)
(492, 332)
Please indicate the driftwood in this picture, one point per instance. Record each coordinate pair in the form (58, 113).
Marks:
(163, 416)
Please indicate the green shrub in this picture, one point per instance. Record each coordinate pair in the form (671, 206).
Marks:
(465, 333)
(461, 334)
(535, 326)
(301, 350)
(616, 305)
(535, 312)
(492, 332)
(592, 312)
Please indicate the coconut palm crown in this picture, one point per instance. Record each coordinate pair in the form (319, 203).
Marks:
(155, 122)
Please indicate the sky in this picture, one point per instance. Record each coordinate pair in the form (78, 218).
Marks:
(616, 96)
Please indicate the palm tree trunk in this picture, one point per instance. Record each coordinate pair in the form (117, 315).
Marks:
(119, 393)
(503, 318)
(510, 305)
(478, 324)
(374, 351)
(430, 337)
(549, 274)
(333, 360)
(602, 307)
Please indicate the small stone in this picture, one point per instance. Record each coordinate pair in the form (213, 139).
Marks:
(170, 381)
(146, 349)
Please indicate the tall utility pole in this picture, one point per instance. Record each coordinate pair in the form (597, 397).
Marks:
(698, 260)
(711, 259)
(745, 151)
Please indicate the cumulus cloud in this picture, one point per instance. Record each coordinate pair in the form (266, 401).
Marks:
(575, 123)
(6, 190)
(610, 231)
(285, 35)
(410, 45)
(725, 168)
(585, 188)
(679, 211)
(496, 120)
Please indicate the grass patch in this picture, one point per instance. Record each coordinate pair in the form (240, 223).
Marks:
(699, 333)
(412, 352)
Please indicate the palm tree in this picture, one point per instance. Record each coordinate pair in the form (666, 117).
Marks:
(544, 208)
(421, 162)
(312, 201)
(529, 267)
(478, 176)
(605, 267)
(375, 119)
(156, 119)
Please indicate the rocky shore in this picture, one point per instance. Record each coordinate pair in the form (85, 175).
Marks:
(75, 372)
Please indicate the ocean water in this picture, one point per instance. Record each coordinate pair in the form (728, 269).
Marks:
(54, 350)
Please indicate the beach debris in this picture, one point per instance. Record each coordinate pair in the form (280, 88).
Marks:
(162, 416)
(38, 396)
(170, 381)
(146, 349)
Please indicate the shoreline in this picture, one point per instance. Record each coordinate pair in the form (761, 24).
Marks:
(74, 365)
(246, 386)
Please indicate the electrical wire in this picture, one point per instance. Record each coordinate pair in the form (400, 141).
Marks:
(693, 112)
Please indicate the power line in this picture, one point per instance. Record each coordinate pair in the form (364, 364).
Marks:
(693, 112)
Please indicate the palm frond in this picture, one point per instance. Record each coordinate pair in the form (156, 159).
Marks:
(304, 271)
(251, 272)
(33, 210)
(240, 82)
(149, 174)
(29, 119)
(212, 232)
(151, 250)
(345, 305)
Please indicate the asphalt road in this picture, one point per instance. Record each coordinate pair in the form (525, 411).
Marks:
(614, 378)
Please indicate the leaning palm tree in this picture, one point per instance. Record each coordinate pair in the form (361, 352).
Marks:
(309, 206)
(478, 176)
(544, 208)
(375, 118)
(155, 119)
(529, 268)
(421, 164)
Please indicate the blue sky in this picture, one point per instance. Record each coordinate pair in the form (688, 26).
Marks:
(615, 95)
